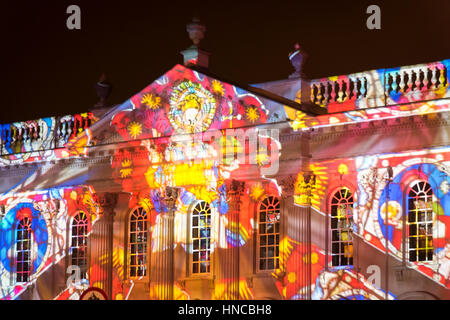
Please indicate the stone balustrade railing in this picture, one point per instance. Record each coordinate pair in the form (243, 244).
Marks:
(382, 87)
(42, 134)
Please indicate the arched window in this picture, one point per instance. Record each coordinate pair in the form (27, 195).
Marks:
(78, 245)
(201, 238)
(420, 222)
(137, 245)
(341, 228)
(23, 250)
(269, 233)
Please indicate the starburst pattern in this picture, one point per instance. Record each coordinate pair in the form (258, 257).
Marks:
(217, 87)
(343, 169)
(252, 114)
(126, 168)
(153, 102)
(134, 129)
(257, 192)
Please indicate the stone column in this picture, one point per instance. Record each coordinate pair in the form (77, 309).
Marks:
(51, 210)
(230, 261)
(102, 243)
(297, 222)
(168, 240)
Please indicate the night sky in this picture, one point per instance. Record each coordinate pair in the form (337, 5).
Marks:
(48, 70)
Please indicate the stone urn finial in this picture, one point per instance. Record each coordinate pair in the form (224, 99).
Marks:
(297, 58)
(196, 30)
(194, 55)
(103, 89)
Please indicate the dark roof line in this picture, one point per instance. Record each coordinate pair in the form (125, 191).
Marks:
(308, 108)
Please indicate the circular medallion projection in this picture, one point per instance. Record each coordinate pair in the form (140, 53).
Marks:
(192, 108)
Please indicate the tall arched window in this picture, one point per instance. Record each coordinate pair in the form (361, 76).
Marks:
(269, 233)
(137, 245)
(23, 250)
(78, 245)
(420, 222)
(341, 228)
(201, 238)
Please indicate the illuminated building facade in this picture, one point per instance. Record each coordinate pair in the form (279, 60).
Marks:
(197, 188)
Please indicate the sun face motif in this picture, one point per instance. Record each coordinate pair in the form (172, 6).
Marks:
(192, 108)
(257, 192)
(134, 129)
(217, 87)
(252, 114)
(292, 277)
(153, 102)
(73, 195)
(126, 168)
(343, 169)
(394, 213)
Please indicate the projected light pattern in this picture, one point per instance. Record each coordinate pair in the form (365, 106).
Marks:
(40, 238)
(327, 284)
(377, 94)
(427, 170)
(180, 199)
(45, 139)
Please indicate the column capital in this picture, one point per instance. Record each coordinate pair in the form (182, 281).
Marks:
(108, 200)
(287, 185)
(235, 187)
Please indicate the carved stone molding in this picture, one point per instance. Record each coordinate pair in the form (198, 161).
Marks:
(377, 126)
(108, 200)
(288, 185)
(235, 187)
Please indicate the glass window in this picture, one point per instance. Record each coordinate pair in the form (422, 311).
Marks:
(78, 245)
(269, 234)
(342, 228)
(420, 222)
(201, 238)
(137, 244)
(23, 250)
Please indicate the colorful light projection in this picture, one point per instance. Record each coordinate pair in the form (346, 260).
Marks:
(158, 122)
(383, 93)
(185, 101)
(45, 139)
(49, 212)
(156, 126)
(331, 284)
(368, 175)
(160, 126)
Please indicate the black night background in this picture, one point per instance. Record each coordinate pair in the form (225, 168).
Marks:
(48, 70)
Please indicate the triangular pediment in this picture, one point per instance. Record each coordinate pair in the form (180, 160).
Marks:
(185, 101)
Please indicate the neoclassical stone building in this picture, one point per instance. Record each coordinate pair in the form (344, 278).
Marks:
(199, 188)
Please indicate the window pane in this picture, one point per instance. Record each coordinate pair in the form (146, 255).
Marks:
(200, 235)
(420, 222)
(138, 235)
(341, 225)
(269, 230)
